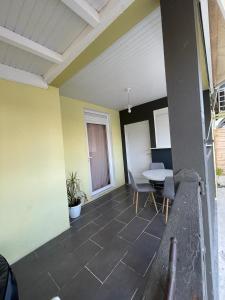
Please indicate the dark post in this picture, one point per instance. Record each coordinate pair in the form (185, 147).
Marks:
(186, 107)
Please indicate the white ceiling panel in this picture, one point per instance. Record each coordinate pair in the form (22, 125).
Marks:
(22, 60)
(98, 4)
(136, 60)
(42, 37)
(48, 22)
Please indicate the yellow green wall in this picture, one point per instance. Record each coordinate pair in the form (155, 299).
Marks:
(33, 203)
(75, 141)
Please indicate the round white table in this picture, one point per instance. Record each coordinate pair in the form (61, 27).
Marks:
(157, 174)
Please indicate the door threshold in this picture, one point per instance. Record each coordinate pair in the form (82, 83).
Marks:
(97, 193)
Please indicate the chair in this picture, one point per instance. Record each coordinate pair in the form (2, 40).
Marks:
(141, 188)
(157, 165)
(168, 195)
(8, 284)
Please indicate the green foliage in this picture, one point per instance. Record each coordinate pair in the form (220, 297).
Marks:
(219, 171)
(74, 193)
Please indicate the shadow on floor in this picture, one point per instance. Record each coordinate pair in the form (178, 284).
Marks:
(106, 254)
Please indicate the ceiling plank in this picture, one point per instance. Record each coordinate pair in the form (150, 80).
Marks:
(28, 45)
(13, 74)
(83, 10)
(118, 17)
(221, 4)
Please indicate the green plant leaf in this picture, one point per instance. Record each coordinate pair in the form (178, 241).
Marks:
(74, 194)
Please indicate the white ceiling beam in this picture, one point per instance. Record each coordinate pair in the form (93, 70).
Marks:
(83, 10)
(13, 74)
(221, 4)
(107, 15)
(28, 45)
(206, 30)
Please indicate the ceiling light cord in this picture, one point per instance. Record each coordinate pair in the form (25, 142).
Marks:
(129, 106)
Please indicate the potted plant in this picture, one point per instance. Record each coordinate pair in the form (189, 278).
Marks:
(75, 195)
(219, 172)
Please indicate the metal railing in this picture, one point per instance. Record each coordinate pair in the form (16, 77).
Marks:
(221, 100)
(171, 276)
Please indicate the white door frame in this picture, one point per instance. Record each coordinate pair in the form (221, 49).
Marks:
(148, 150)
(95, 117)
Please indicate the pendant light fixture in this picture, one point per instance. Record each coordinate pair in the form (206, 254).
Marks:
(129, 106)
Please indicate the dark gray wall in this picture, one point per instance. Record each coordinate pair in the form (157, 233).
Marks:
(186, 108)
(140, 113)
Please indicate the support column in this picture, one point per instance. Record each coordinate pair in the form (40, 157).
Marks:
(186, 106)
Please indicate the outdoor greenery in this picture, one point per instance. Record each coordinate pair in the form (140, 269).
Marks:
(74, 193)
(219, 171)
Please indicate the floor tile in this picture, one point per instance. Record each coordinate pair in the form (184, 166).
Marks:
(76, 239)
(27, 271)
(83, 286)
(119, 191)
(106, 217)
(49, 257)
(100, 201)
(85, 219)
(53, 244)
(87, 208)
(121, 206)
(148, 212)
(71, 264)
(105, 208)
(63, 253)
(104, 236)
(121, 284)
(142, 199)
(132, 231)
(103, 264)
(121, 197)
(67, 265)
(141, 254)
(140, 291)
(157, 226)
(127, 215)
(43, 288)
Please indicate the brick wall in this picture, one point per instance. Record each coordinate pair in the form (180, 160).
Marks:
(220, 148)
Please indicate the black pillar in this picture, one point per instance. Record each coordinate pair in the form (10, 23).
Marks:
(186, 106)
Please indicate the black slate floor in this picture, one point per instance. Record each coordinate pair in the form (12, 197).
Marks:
(106, 254)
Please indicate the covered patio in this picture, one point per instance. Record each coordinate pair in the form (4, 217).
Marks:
(117, 106)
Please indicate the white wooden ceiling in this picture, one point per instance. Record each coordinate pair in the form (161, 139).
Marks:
(136, 60)
(47, 22)
(99, 4)
(42, 37)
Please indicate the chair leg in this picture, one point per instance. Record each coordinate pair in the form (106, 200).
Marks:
(163, 206)
(147, 200)
(137, 202)
(167, 209)
(146, 203)
(153, 197)
(134, 196)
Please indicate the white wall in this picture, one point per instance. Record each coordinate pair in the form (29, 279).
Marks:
(162, 128)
